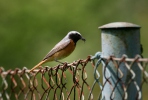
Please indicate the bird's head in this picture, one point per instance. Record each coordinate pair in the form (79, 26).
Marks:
(75, 36)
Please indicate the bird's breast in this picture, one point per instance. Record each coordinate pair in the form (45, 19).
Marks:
(65, 51)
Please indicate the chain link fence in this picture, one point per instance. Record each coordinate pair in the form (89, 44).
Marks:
(72, 81)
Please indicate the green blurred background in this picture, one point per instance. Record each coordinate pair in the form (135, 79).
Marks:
(30, 28)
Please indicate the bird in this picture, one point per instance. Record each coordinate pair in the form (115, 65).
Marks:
(62, 49)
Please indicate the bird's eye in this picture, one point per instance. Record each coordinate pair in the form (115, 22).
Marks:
(77, 34)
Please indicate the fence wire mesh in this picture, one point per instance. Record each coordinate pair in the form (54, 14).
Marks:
(70, 81)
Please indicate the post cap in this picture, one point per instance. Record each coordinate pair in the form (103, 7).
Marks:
(119, 25)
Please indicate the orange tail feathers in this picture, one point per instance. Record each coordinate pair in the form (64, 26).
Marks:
(38, 65)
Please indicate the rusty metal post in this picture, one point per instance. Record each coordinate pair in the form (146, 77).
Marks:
(120, 38)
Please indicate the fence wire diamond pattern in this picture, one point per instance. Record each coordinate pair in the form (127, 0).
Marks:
(72, 81)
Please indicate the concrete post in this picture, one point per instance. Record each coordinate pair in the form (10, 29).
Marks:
(117, 39)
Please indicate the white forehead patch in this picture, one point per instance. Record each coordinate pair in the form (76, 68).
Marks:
(74, 32)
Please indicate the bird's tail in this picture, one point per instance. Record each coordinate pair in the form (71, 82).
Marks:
(38, 65)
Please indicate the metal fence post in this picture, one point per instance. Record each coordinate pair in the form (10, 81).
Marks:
(120, 38)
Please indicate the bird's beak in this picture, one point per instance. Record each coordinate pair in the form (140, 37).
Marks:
(83, 39)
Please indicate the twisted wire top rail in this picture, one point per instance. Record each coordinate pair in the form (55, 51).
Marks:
(69, 81)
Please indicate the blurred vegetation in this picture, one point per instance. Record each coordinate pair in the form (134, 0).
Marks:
(30, 28)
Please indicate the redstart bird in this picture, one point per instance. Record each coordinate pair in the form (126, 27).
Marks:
(62, 49)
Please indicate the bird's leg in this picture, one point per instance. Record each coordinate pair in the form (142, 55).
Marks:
(58, 61)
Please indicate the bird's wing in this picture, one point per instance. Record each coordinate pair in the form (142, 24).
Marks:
(61, 45)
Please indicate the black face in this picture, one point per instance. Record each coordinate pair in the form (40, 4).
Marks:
(75, 37)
